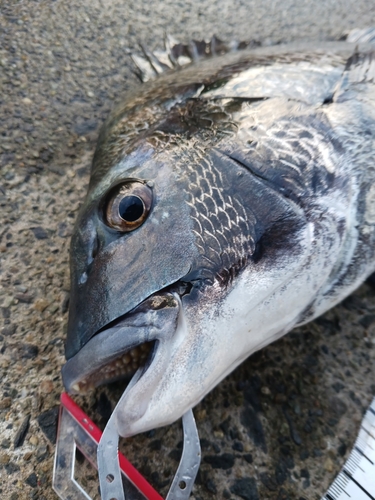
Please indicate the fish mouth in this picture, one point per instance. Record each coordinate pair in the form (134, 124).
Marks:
(126, 346)
(120, 367)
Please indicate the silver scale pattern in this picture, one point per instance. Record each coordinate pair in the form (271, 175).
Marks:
(222, 225)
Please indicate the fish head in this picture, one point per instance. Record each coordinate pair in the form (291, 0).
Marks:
(116, 264)
(179, 262)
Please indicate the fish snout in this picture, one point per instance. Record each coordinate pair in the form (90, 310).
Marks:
(126, 345)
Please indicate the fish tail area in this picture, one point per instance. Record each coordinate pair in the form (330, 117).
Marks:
(176, 54)
(361, 35)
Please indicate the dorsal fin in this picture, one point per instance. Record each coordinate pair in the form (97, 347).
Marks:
(363, 35)
(176, 54)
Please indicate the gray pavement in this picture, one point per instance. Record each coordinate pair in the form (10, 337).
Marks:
(281, 425)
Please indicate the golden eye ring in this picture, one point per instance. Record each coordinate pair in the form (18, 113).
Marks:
(128, 206)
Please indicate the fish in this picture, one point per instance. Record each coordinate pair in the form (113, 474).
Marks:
(231, 199)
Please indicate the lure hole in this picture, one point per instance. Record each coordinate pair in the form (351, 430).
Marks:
(95, 247)
(182, 485)
(110, 478)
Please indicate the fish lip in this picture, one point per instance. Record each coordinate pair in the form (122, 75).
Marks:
(139, 326)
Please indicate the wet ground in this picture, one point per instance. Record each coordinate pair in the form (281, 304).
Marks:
(281, 425)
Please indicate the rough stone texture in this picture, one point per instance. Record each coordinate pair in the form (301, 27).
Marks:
(280, 426)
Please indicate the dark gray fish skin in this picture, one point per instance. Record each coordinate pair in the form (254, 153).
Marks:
(261, 165)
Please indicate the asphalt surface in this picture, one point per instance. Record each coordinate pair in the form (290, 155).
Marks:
(281, 426)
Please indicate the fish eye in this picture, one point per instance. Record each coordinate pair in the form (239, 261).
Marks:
(128, 206)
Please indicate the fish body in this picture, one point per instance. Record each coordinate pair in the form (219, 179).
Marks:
(229, 202)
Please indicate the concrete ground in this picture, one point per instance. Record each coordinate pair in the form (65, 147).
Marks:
(281, 426)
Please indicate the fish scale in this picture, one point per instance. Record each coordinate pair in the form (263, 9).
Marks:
(221, 221)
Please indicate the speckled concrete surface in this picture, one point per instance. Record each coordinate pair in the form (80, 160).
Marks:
(281, 426)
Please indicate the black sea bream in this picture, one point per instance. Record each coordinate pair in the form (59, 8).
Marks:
(230, 201)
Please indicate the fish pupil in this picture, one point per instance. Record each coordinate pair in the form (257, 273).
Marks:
(130, 208)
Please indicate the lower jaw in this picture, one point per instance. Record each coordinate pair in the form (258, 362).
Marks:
(122, 367)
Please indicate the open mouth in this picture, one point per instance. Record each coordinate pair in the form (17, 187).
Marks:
(122, 367)
(123, 347)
